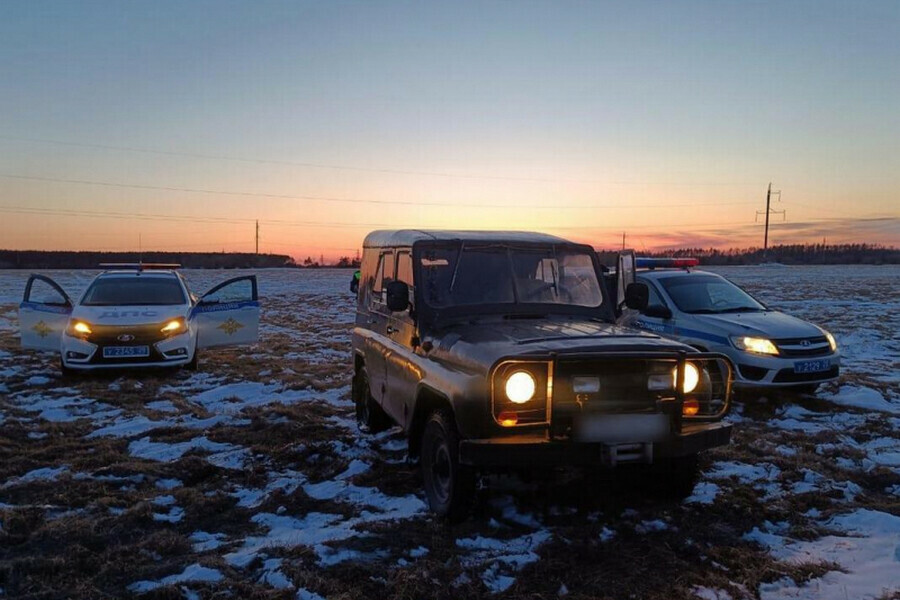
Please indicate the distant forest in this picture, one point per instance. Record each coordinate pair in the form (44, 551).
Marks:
(36, 259)
(794, 254)
(798, 254)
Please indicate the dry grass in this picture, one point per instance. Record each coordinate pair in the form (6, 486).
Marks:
(91, 532)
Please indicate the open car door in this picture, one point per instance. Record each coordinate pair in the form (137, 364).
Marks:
(624, 277)
(43, 314)
(228, 314)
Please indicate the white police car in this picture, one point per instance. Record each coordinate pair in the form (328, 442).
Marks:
(707, 311)
(137, 316)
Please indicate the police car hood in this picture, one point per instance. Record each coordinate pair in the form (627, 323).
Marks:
(771, 324)
(477, 345)
(128, 315)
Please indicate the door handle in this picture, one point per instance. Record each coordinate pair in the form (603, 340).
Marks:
(391, 330)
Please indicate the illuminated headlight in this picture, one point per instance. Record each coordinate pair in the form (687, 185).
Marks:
(831, 341)
(79, 329)
(520, 387)
(585, 385)
(173, 326)
(754, 344)
(691, 377)
(668, 381)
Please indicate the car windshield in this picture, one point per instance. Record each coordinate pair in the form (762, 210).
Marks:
(134, 291)
(504, 274)
(708, 294)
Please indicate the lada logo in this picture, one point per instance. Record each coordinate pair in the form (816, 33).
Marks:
(125, 337)
(805, 343)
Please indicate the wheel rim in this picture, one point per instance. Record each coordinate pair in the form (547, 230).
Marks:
(441, 471)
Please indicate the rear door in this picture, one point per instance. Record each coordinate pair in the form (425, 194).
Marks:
(43, 314)
(228, 314)
(378, 319)
(402, 376)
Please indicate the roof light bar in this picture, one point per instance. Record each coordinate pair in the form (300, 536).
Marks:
(665, 263)
(140, 266)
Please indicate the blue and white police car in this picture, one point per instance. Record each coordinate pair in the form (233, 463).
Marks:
(139, 315)
(709, 312)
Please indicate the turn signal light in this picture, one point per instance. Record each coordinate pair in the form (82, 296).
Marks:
(690, 408)
(508, 418)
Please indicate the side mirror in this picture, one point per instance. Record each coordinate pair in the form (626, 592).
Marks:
(637, 295)
(397, 296)
(659, 311)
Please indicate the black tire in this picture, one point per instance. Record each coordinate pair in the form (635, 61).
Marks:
(65, 371)
(807, 389)
(449, 486)
(195, 361)
(369, 416)
(675, 478)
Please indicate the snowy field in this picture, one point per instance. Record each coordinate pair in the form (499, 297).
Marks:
(248, 479)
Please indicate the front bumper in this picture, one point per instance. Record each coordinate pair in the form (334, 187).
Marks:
(539, 451)
(84, 355)
(775, 371)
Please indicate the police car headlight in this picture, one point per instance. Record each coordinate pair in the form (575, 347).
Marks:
(754, 344)
(79, 329)
(174, 326)
(831, 341)
(520, 387)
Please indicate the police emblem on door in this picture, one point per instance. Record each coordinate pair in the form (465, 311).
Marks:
(230, 326)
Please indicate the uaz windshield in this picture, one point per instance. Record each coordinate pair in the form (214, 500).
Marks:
(134, 291)
(503, 274)
(699, 294)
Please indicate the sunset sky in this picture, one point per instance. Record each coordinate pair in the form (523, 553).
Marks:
(180, 124)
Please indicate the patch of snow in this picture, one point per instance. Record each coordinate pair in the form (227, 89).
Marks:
(704, 492)
(193, 573)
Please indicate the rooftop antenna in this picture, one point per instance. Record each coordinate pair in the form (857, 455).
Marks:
(769, 211)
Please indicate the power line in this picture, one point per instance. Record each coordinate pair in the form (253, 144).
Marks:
(326, 224)
(352, 200)
(350, 167)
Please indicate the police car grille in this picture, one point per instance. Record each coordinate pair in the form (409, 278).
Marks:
(803, 347)
(134, 335)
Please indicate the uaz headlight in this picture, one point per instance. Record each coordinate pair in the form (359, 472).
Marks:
(520, 387)
(668, 381)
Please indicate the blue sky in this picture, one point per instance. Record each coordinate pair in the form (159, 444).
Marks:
(652, 117)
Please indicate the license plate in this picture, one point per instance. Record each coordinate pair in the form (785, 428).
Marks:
(811, 366)
(126, 352)
(621, 429)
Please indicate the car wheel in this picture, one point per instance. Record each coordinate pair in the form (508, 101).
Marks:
(64, 370)
(805, 390)
(675, 478)
(449, 486)
(195, 361)
(369, 416)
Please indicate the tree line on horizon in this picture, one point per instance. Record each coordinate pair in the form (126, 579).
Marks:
(789, 254)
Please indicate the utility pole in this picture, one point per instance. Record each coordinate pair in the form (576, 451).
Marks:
(767, 212)
(257, 237)
(623, 241)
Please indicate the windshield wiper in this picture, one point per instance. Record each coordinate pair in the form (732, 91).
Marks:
(739, 309)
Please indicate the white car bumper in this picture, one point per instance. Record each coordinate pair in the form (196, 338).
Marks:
(80, 354)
